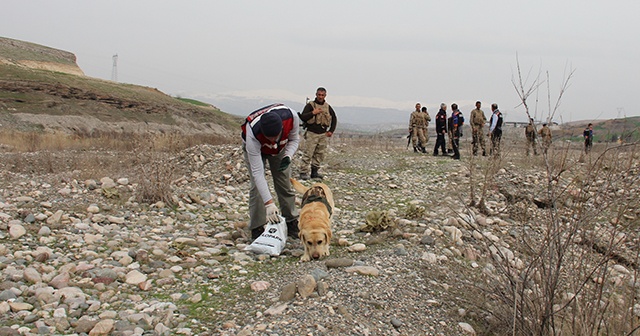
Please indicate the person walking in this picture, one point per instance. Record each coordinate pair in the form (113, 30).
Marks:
(418, 127)
(588, 138)
(545, 134)
(426, 128)
(495, 130)
(530, 133)
(441, 130)
(320, 121)
(457, 120)
(477, 133)
(271, 135)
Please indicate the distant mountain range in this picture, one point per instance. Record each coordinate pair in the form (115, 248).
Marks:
(365, 119)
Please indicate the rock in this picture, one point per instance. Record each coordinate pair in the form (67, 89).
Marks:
(20, 306)
(357, 247)
(257, 286)
(467, 328)
(395, 322)
(322, 288)
(338, 262)
(16, 231)
(135, 277)
(44, 231)
(306, 285)
(429, 257)
(31, 275)
(8, 331)
(288, 292)
(427, 240)
(364, 270)
(103, 327)
(276, 310)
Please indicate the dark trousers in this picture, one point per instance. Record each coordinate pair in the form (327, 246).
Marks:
(440, 142)
(455, 143)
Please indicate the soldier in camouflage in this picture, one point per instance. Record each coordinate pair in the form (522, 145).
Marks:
(477, 133)
(320, 122)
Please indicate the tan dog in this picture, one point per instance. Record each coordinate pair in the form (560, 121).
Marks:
(315, 219)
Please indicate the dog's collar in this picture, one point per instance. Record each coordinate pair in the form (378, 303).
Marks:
(316, 198)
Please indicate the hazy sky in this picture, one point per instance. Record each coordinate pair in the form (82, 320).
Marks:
(366, 53)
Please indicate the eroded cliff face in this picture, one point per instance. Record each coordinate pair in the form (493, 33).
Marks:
(34, 56)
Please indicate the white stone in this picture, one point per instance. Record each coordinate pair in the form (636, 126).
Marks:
(93, 208)
(359, 247)
(467, 328)
(16, 231)
(135, 277)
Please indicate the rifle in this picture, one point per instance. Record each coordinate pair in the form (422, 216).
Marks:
(409, 139)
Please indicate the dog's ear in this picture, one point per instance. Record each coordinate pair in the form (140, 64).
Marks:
(327, 237)
(301, 236)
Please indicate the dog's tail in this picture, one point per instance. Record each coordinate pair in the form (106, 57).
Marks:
(299, 187)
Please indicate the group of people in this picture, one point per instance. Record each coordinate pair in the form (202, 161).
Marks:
(531, 135)
(271, 135)
(452, 127)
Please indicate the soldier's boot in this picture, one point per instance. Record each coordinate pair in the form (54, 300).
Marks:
(255, 233)
(292, 228)
(304, 176)
(415, 149)
(484, 153)
(315, 174)
(423, 150)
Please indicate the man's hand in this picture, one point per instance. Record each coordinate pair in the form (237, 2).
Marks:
(329, 134)
(284, 163)
(273, 214)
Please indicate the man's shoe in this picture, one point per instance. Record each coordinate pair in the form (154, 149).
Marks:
(255, 233)
(456, 157)
(304, 176)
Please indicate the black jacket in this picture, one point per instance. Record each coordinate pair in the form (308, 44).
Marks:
(441, 122)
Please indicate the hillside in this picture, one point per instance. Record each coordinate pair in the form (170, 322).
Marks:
(43, 89)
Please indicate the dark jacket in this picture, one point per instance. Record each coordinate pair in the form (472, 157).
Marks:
(441, 122)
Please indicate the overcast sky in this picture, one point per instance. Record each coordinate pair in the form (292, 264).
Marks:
(387, 54)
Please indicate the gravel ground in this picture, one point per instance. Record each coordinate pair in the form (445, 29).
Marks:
(79, 255)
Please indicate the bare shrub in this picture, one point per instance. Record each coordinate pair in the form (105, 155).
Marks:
(156, 172)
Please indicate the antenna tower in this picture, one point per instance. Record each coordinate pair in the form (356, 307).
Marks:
(114, 70)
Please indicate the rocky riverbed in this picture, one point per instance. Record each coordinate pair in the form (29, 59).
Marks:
(80, 255)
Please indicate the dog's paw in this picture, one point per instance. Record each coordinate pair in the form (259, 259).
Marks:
(305, 257)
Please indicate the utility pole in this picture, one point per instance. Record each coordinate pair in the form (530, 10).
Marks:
(114, 70)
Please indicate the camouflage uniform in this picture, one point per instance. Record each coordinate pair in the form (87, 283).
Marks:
(418, 125)
(545, 134)
(319, 127)
(530, 133)
(477, 133)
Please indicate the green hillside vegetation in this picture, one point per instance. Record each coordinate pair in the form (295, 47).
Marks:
(611, 130)
(42, 89)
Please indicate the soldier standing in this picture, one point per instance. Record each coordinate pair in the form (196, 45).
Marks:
(426, 128)
(545, 134)
(418, 129)
(530, 133)
(495, 130)
(320, 121)
(457, 120)
(441, 130)
(477, 133)
(588, 138)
